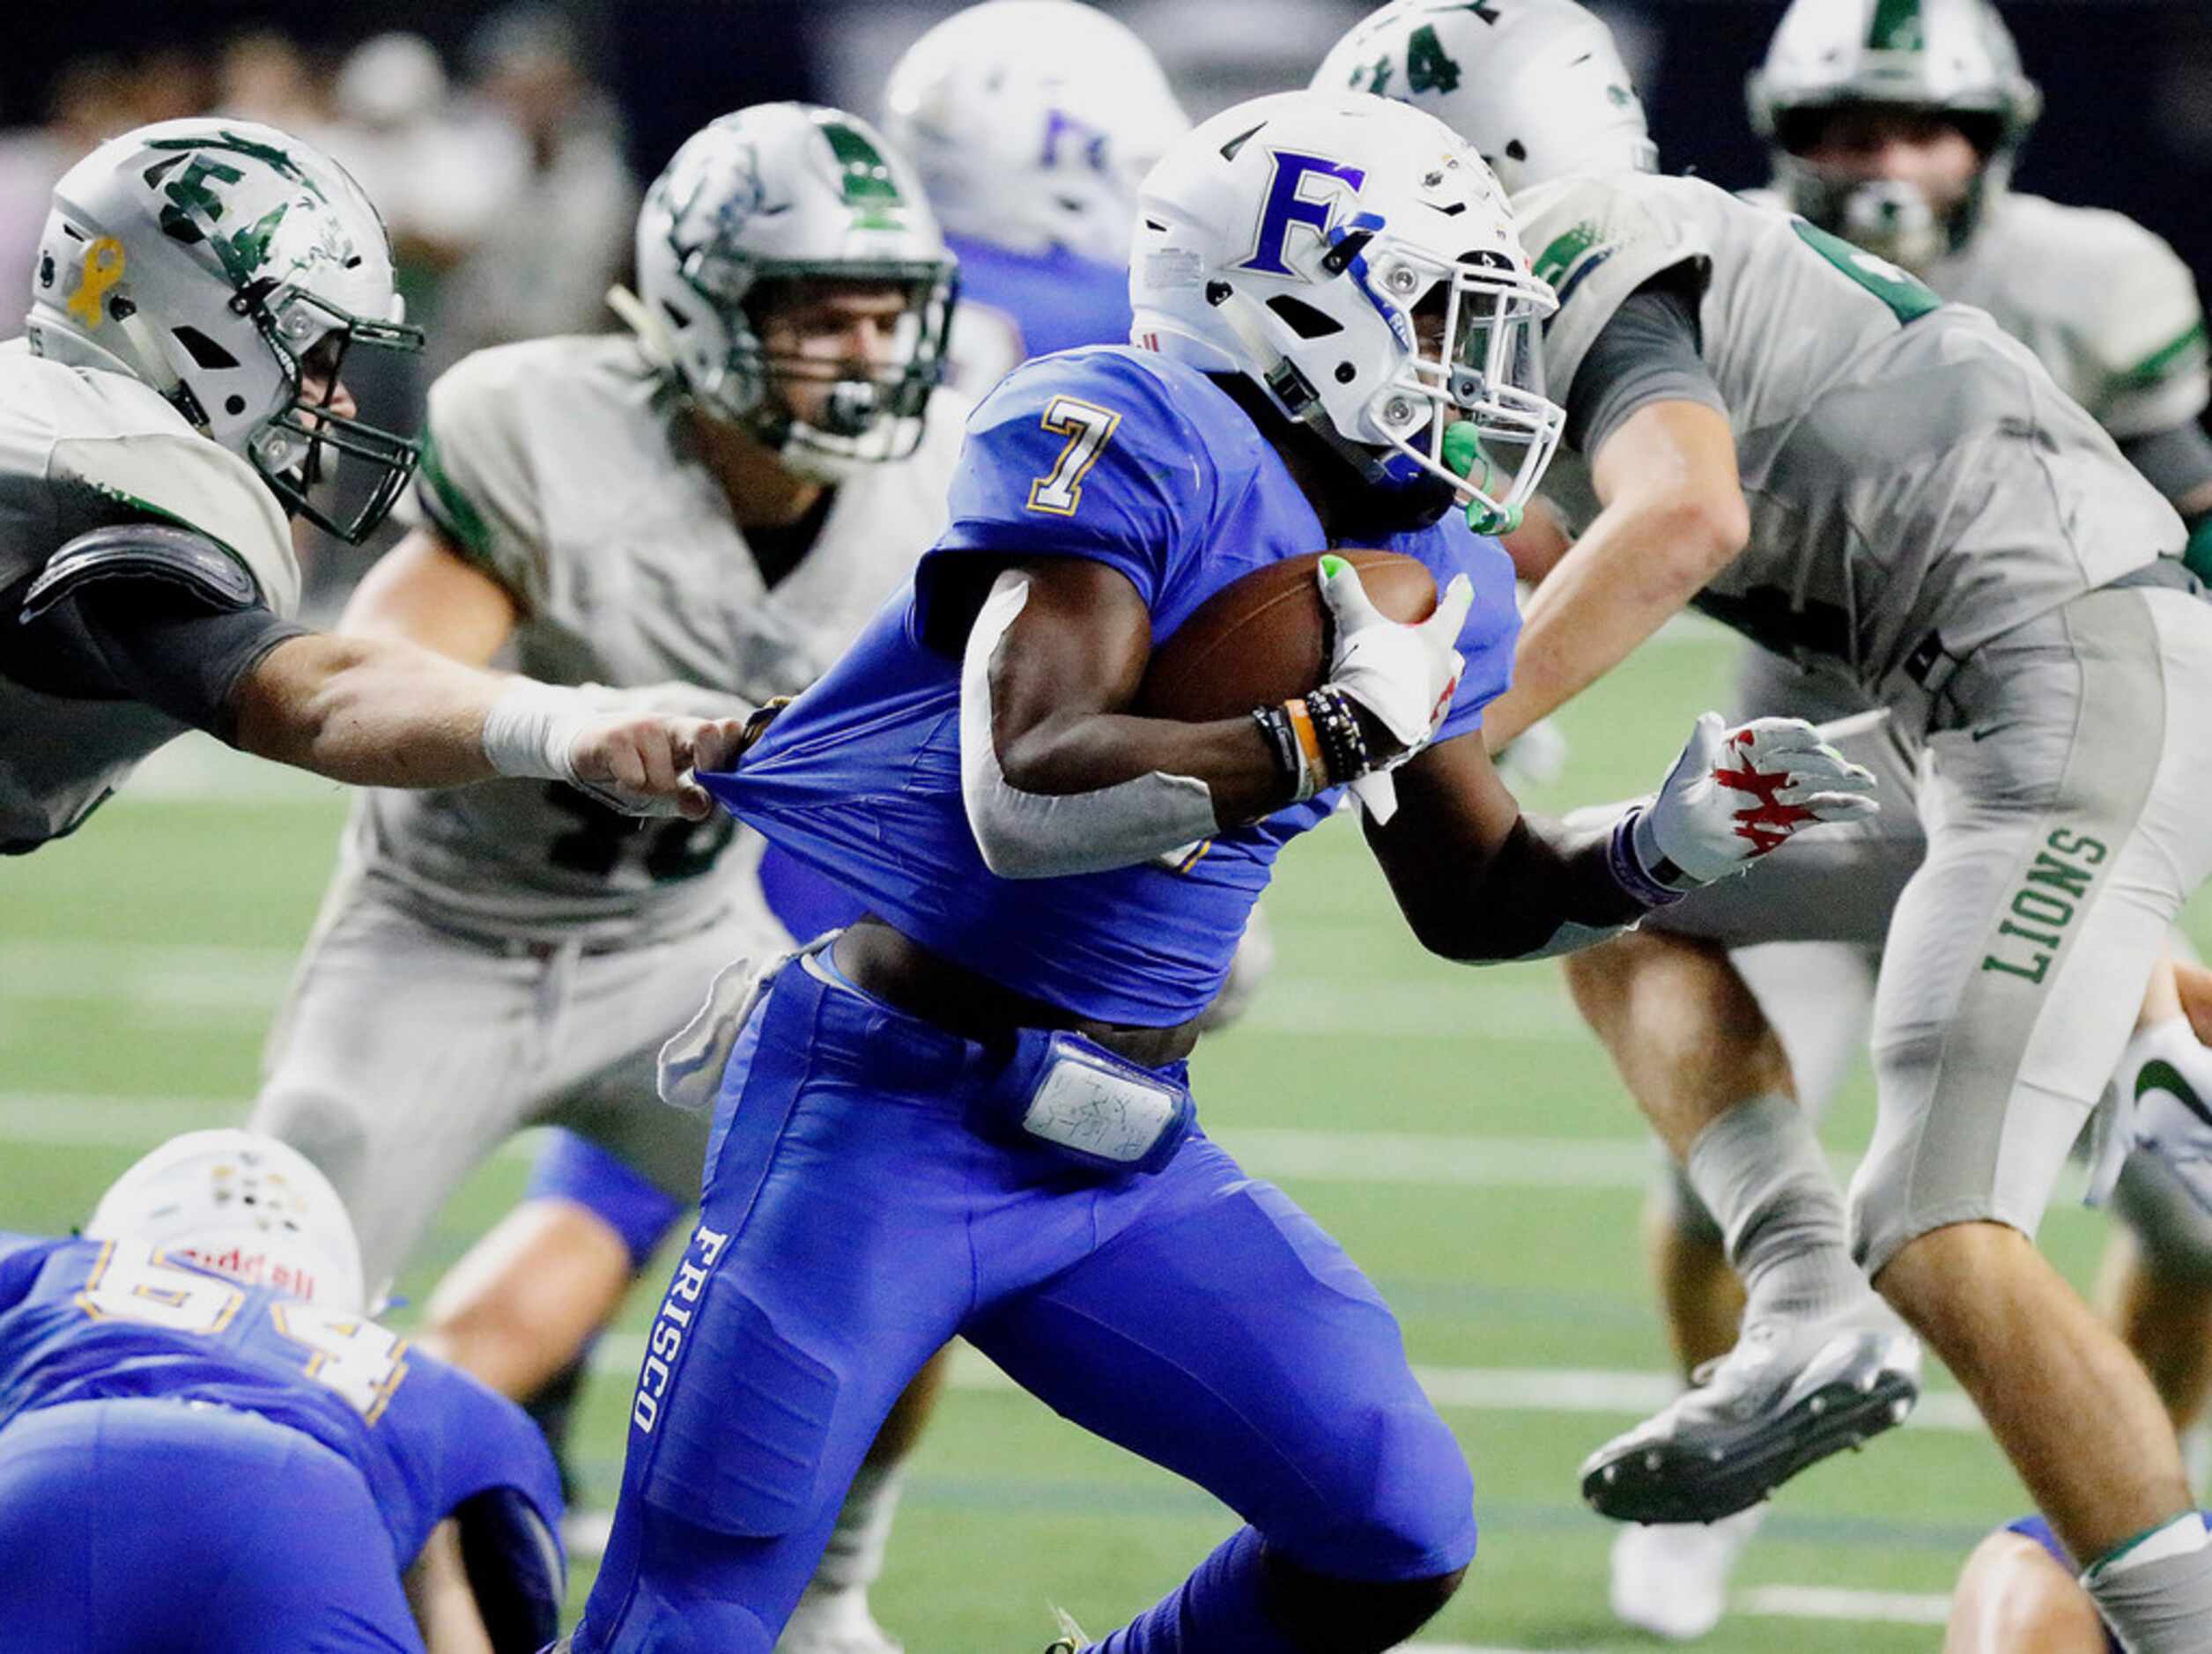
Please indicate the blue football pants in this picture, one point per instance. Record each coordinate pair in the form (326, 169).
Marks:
(853, 1222)
(154, 1526)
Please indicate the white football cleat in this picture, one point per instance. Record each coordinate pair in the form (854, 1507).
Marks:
(1672, 1579)
(835, 1620)
(1790, 1394)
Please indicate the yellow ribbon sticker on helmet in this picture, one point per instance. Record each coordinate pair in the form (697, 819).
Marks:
(102, 268)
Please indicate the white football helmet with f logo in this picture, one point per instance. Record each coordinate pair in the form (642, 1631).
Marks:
(1357, 261)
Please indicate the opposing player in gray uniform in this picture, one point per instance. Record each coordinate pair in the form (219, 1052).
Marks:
(1896, 127)
(702, 514)
(1898, 495)
(177, 393)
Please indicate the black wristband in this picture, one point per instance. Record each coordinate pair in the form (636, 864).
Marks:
(1628, 869)
(1274, 724)
(1344, 743)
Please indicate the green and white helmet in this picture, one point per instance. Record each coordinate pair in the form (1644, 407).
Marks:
(211, 259)
(1537, 86)
(1951, 57)
(791, 192)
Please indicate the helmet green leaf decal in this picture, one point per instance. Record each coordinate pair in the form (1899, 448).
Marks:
(1896, 27)
(276, 159)
(868, 185)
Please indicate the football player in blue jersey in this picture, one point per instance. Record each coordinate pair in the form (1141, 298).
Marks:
(1031, 123)
(1336, 334)
(206, 1444)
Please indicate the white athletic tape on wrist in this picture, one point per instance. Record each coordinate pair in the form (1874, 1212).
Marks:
(532, 729)
(1037, 835)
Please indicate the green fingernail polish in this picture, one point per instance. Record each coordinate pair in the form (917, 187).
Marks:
(1332, 566)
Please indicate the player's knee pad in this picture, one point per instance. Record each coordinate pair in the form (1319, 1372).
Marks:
(1402, 1507)
(2173, 1232)
(733, 1412)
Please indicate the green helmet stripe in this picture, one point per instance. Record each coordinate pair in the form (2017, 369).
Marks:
(1896, 27)
(868, 181)
(269, 155)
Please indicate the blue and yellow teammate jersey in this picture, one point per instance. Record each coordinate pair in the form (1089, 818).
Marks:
(1014, 305)
(83, 1320)
(1146, 465)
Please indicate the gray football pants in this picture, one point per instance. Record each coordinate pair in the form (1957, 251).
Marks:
(407, 1054)
(2064, 791)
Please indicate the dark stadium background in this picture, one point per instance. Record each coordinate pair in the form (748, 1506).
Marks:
(2128, 84)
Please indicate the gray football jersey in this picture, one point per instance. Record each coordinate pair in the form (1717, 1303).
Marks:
(80, 449)
(562, 469)
(2104, 304)
(1912, 474)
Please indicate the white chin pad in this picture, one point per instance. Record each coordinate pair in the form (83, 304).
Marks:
(1043, 834)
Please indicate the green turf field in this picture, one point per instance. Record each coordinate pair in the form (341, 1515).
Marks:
(1456, 1131)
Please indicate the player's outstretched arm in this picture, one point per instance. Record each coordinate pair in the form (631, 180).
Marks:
(422, 591)
(1674, 517)
(380, 713)
(1478, 881)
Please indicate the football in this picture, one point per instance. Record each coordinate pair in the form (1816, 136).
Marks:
(1264, 638)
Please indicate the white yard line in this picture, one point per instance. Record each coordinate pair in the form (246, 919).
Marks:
(1568, 1390)
(214, 977)
(1439, 1159)
(1829, 1602)
(585, 1534)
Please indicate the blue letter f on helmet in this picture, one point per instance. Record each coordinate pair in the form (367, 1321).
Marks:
(1289, 205)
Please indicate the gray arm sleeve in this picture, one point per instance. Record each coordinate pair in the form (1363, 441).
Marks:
(2176, 461)
(1649, 350)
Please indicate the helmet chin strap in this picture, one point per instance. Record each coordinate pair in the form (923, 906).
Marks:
(653, 334)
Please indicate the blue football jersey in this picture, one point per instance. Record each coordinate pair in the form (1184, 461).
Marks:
(1142, 463)
(83, 1320)
(1014, 305)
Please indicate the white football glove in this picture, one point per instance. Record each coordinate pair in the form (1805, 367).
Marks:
(2154, 1103)
(1405, 675)
(1736, 794)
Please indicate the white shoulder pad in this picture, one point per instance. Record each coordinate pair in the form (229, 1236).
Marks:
(2145, 326)
(2109, 299)
(185, 477)
(478, 482)
(1596, 239)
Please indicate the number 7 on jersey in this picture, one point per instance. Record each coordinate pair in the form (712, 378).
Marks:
(1087, 426)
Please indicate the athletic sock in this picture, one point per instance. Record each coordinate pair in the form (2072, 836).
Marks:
(2156, 1590)
(1760, 1172)
(1217, 1610)
(854, 1558)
